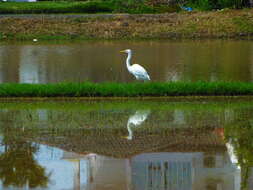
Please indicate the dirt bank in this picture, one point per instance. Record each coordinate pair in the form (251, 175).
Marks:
(214, 24)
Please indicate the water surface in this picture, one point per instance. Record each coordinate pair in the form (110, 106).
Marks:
(213, 60)
(128, 145)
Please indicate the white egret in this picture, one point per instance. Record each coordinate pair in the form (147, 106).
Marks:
(138, 71)
(138, 118)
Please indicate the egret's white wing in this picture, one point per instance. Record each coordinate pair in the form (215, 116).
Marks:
(139, 117)
(139, 71)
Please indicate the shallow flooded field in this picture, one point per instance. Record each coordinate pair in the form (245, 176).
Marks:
(128, 145)
(160, 144)
(207, 60)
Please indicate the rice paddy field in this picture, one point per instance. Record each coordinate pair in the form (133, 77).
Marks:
(73, 118)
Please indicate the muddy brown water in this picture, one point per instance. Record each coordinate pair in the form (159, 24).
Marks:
(128, 145)
(208, 60)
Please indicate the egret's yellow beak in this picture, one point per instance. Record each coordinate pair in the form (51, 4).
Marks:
(122, 51)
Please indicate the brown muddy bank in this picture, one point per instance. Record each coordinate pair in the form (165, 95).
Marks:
(126, 99)
(213, 24)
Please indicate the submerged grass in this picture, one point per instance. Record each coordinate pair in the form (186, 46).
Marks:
(156, 89)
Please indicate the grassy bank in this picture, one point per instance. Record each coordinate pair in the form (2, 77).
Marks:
(156, 89)
(214, 24)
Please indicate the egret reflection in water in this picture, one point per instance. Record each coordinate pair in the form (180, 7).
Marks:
(232, 155)
(138, 118)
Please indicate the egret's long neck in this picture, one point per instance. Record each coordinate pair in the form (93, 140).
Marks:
(129, 56)
(130, 132)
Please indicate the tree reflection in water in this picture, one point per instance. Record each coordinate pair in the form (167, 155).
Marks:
(240, 135)
(17, 164)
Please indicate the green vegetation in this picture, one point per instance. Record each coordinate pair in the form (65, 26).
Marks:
(142, 6)
(115, 6)
(156, 89)
(98, 6)
(54, 7)
(218, 4)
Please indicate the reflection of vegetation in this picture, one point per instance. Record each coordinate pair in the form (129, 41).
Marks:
(17, 165)
(170, 103)
(115, 114)
(240, 135)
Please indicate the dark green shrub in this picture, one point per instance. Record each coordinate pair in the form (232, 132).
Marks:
(217, 4)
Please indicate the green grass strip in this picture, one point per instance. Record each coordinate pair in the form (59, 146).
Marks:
(91, 6)
(55, 7)
(156, 89)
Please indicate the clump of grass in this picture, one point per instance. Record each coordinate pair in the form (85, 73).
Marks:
(88, 89)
